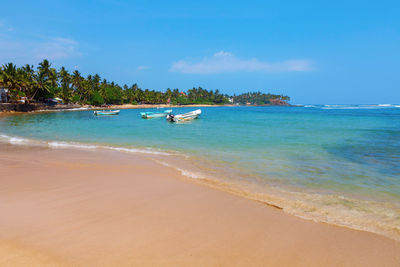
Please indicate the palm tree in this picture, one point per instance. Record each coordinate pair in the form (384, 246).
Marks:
(28, 80)
(11, 79)
(77, 83)
(44, 68)
(46, 78)
(65, 78)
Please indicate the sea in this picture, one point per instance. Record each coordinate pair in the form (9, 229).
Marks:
(338, 164)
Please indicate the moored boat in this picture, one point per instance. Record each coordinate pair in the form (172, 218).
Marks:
(151, 115)
(184, 117)
(106, 112)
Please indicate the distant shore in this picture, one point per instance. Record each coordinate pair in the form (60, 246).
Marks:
(74, 208)
(23, 108)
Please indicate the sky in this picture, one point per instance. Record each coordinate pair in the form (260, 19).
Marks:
(317, 52)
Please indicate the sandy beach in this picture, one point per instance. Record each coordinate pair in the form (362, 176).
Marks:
(63, 207)
(130, 106)
(43, 108)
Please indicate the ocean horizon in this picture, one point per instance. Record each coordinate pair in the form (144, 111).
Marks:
(338, 164)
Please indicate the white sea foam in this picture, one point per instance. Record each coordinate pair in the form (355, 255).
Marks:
(61, 110)
(371, 106)
(91, 147)
(136, 150)
(190, 174)
(74, 109)
(362, 214)
(384, 105)
(15, 140)
(71, 145)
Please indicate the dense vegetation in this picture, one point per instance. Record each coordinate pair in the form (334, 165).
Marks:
(258, 98)
(45, 82)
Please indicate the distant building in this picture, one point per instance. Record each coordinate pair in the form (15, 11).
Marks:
(3, 94)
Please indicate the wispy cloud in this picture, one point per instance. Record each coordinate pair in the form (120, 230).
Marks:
(224, 62)
(5, 28)
(140, 68)
(56, 48)
(21, 48)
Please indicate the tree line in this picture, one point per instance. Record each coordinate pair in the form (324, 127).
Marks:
(258, 98)
(44, 82)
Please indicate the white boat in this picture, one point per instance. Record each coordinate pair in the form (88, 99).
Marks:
(106, 112)
(184, 117)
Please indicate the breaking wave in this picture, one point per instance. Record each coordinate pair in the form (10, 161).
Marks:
(371, 106)
(14, 140)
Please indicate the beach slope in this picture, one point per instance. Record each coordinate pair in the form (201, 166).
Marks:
(89, 208)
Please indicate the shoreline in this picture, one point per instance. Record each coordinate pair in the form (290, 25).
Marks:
(88, 107)
(190, 221)
(289, 199)
(286, 199)
(127, 106)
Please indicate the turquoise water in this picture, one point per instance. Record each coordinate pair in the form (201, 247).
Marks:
(334, 163)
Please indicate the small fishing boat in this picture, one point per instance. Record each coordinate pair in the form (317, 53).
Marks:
(106, 112)
(184, 117)
(151, 115)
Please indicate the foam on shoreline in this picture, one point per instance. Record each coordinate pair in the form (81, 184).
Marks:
(14, 140)
(332, 208)
(344, 106)
(336, 209)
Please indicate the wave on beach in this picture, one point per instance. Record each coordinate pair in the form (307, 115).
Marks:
(356, 213)
(343, 106)
(14, 140)
(373, 216)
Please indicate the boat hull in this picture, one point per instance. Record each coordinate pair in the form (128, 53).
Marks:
(184, 117)
(105, 113)
(152, 115)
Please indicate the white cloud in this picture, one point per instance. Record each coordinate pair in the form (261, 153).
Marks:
(56, 48)
(22, 51)
(140, 68)
(223, 62)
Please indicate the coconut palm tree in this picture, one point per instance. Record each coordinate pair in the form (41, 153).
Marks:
(11, 78)
(65, 82)
(77, 83)
(46, 78)
(28, 80)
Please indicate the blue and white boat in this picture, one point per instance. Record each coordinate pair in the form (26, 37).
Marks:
(184, 117)
(106, 112)
(151, 115)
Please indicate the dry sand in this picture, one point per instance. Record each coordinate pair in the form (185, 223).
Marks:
(101, 208)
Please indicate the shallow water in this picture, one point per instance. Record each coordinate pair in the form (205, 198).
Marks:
(333, 163)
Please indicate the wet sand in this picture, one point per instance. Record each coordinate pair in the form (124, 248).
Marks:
(89, 208)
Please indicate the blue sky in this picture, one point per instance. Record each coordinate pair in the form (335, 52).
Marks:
(313, 51)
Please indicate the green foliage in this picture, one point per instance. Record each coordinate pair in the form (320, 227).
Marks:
(46, 82)
(96, 99)
(258, 98)
(75, 99)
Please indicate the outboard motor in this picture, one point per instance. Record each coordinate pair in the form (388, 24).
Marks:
(170, 117)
